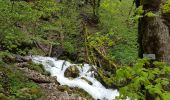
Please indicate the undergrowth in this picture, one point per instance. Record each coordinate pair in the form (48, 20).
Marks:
(145, 80)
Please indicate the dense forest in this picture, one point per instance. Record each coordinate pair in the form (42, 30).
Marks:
(84, 49)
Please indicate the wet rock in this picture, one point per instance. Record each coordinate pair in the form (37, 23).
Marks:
(72, 72)
(90, 83)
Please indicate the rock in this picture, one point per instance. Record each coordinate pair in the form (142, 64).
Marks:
(49, 85)
(16, 58)
(36, 77)
(90, 83)
(22, 65)
(19, 58)
(63, 88)
(72, 72)
(52, 93)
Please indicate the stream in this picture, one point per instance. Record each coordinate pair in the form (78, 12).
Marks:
(58, 67)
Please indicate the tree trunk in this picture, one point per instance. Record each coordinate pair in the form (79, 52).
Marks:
(154, 36)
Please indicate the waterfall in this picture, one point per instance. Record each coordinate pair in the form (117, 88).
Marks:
(58, 67)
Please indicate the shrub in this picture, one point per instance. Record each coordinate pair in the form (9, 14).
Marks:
(145, 80)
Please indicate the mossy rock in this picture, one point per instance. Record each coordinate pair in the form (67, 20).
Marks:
(38, 67)
(63, 88)
(90, 83)
(72, 72)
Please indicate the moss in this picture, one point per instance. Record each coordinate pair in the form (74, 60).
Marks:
(63, 88)
(75, 91)
(38, 68)
(72, 72)
(81, 92)
(150, 14)
(19, 87)
(3, 97)
(28, 94)
(166, 7)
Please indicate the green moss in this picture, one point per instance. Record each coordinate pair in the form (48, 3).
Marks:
(38, 68)
(81, 92)
(18, 86)
(166, 7)
(3, 97)
(63, 88)
(150, 14)
(75, 91)
(31, 93)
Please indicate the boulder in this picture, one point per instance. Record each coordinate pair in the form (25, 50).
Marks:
(72, 72)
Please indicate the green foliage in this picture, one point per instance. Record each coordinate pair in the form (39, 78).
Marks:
(142, 81)
(140, 10)
(117, 22)
(99, 39)
(3, 54)
(23, 24)
(20, 24)
(69, 25)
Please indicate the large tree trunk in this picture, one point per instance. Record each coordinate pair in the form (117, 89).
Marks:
(154, 36)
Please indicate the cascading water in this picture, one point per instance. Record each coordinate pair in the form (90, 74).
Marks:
(58, 67)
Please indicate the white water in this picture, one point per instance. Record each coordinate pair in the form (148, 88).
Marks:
(58, 67)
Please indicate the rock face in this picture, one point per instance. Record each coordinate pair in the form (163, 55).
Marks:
(51, 87)
(72, 72)
(37, 77)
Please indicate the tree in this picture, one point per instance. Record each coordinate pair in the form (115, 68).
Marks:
(154, 30)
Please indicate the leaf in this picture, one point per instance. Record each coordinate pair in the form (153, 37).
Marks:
(165, 96)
